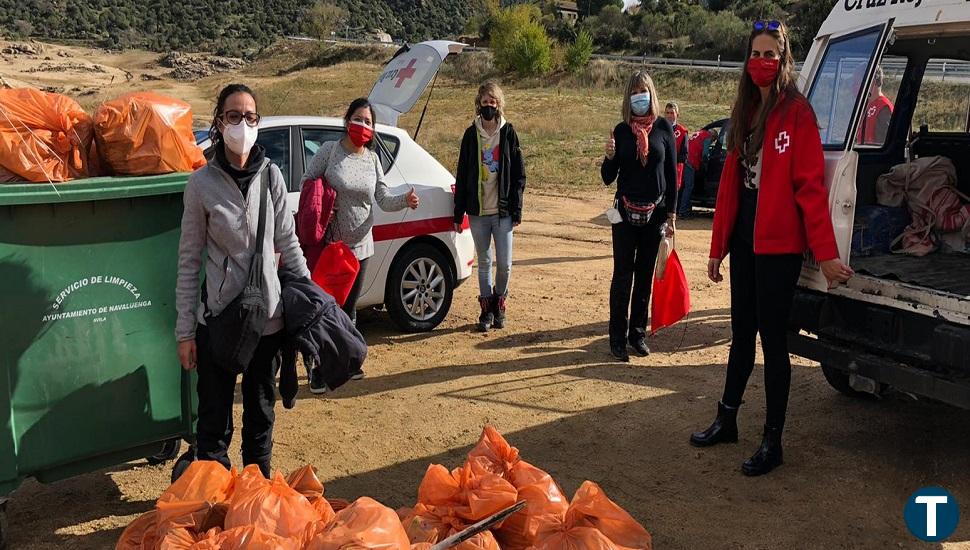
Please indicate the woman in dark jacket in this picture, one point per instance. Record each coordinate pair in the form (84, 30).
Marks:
(489, 184)
(641, 157)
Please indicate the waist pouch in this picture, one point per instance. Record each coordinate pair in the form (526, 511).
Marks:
(638, 214)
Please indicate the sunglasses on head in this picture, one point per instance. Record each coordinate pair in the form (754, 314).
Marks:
(772, 25)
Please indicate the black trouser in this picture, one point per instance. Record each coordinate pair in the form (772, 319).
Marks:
(634, 256)
(762, 290)
(217, 388)
(350, 306)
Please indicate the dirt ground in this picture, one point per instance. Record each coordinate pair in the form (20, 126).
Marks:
(548, 383)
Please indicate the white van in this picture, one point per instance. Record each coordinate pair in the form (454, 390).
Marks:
(903, 321)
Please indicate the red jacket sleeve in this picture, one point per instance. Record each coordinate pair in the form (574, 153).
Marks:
(726, 208)
(808, 181)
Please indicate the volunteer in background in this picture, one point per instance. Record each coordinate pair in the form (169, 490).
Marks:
(221, 204)
(489, 187)
(672, 114)
(641, 156)
(353, 169)
(772, 206)
(698, 152)
(879, 111)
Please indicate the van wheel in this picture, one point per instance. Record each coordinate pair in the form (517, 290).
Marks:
(420, 288)
(170, 450)
(839, 379)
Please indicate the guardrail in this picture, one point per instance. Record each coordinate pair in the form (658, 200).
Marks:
(940, 69)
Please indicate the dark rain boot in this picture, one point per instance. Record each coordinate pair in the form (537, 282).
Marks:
(498, 311)
(768, 457)
(486, 319)
(723, 430)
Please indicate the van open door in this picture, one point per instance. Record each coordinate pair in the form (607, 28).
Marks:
(406, 76)
(837, 72)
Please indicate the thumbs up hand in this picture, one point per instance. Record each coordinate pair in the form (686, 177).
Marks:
(610, 147)
(413, 200)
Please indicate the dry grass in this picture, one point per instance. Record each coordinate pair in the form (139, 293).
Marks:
(563, 120)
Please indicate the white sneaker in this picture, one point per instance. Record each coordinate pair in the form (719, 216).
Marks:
(359, 375)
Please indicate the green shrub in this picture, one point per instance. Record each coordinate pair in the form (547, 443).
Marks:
(579, 52)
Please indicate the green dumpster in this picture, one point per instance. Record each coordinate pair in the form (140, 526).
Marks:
(89, 374)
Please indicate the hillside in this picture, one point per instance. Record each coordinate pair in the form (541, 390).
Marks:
(225, 26)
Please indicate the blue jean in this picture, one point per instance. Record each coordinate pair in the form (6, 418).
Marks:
(484, 230)
(684, 206)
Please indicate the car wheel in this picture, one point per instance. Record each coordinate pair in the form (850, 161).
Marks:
(170, 450)
(839, 379)
(420, 288)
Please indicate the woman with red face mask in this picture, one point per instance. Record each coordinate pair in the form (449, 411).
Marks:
(772, 206)
(353, 169)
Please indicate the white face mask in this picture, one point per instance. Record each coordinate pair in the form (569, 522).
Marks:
(240, 138)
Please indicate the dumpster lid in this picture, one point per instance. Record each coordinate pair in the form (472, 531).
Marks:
(92, 189)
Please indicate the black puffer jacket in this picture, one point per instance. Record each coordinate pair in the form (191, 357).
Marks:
(511, 175)
(321, 331)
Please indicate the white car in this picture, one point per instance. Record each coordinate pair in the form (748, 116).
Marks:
(419, 259)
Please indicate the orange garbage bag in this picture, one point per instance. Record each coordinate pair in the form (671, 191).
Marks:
(204, 480)
(179, 539)
(547, 504)
(364, 525)
(43, 136)
(306, 482)
(252, 537)
(140, 533)
(427, 524)
(594, 522)
(144, 133)
(469, 495)
(273, 507)
(591, 507)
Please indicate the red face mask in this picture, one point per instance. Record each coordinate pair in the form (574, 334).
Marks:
(763, 71)
(359, 134)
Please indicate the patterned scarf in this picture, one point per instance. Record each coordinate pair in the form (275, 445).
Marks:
(641, 126)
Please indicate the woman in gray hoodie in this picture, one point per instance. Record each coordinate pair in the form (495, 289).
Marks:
(219, 228)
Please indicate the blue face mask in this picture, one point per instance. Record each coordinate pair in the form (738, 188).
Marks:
(640, 103)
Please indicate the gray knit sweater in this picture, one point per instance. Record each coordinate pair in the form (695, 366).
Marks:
(358, 180)
(218, 220)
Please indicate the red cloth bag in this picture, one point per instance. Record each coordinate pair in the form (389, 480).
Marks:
(317, 198)
(336, 271)
(671, 295)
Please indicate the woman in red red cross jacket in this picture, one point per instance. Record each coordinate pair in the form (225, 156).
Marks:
(772, 206)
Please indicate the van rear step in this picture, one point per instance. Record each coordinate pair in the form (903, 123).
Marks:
(905, 378)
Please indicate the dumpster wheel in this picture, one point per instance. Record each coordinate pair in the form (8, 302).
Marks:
(3, 523)
(170, 450)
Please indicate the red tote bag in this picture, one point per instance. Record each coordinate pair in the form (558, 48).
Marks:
(336, 271)
(671, 295)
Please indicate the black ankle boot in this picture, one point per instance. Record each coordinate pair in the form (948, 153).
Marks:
(639, 344)
(768, 457)
(723, 430)
(498, 311)
(486, 319)
(618, 350)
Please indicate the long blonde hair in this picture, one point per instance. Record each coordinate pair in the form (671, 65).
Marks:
(636, 79)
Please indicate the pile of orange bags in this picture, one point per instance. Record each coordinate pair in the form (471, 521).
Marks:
(47, 137)
(144, 133)
(494, 478)
(43, 137)
(210, 508)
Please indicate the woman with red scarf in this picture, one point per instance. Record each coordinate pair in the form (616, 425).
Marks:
(772, 206)
(641, 157)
